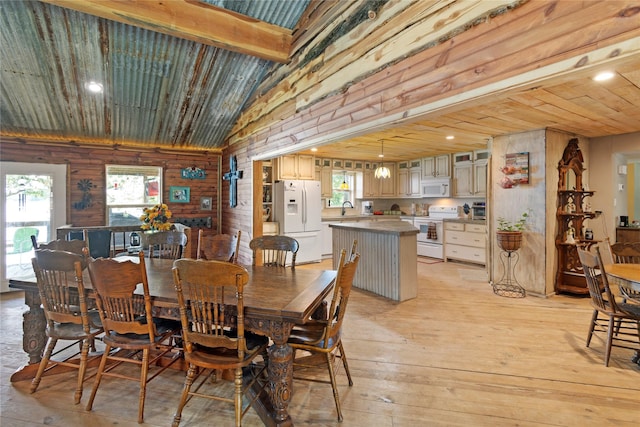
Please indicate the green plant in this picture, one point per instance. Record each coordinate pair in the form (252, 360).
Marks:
(519, 225)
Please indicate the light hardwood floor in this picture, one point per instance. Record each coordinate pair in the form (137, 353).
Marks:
(457, 355)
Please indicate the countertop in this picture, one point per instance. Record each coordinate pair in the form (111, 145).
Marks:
(467, 220)
(378, 227)
(359, 217)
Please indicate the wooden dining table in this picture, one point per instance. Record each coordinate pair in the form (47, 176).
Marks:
(627, 275)
(275, 299)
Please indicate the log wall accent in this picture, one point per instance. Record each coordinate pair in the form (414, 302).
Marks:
(89, 163)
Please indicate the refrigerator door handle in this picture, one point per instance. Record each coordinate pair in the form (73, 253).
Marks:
(304, 206)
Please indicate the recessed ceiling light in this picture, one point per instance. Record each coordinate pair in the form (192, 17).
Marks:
(450, 137)
(605, 75)
(314, 149)
(94, 87)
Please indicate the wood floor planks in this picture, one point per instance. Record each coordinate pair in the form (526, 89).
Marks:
(458, 355)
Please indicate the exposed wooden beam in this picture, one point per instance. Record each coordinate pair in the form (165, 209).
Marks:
(196, 21)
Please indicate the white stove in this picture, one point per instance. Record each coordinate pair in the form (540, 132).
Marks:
(431, 233)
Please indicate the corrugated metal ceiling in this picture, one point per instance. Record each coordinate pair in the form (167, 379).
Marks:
(158, 89)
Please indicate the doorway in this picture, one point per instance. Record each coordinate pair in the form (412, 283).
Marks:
(33, 203)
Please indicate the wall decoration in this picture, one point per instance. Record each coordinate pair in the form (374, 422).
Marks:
(205, 203)
(179, 194)
(87, 198)
(233, 176)
(515, 169)
(193, 173)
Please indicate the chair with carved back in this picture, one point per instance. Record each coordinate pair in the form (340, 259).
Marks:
(324, 337)
(603, 302)
(140, 339)
(210, 297)
(62, 294)
(275, 250)
(627, 253)
(73, 246)
(166, 244)
(219, 247)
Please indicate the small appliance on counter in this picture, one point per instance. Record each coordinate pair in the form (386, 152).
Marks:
(624, 221)
(367, 208)
(479, 210)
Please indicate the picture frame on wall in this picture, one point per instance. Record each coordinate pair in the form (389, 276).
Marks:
(179, 194)
(205, 203)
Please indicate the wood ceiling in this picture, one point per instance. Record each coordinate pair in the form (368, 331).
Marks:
(574, 103)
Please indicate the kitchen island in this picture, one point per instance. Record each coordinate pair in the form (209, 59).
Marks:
(388, 256)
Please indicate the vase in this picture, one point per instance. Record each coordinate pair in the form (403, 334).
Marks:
(509, 240)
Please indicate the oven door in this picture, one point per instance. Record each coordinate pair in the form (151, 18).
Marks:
(430, 230)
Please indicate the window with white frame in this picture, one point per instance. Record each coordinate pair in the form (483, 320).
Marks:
(343, 188)
(130, 189)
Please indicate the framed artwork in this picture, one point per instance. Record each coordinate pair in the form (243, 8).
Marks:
(515, 169)
(205, 203)
(179, 194)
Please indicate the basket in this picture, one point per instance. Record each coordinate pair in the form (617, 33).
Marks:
(509, 240)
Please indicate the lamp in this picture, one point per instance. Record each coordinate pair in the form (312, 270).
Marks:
(344, 185)
(382, 172)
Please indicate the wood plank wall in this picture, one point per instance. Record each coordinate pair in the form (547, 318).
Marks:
(89, 163)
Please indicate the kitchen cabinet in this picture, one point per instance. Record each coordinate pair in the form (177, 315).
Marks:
(388, 185)
(465, 242)
(627, 234)
(267, 190)
(436, 167)
(409, 177)
(370, 184)
(470, 173)
(325, 234)
(323, 174)
(296, 166)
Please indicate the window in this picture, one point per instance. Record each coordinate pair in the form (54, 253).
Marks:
(339, 192)
(129, 190)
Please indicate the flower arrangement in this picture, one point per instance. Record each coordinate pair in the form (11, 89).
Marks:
(156, 218)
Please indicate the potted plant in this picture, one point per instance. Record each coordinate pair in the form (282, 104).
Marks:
(509, 234)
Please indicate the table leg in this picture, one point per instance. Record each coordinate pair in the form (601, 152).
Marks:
(34, 337)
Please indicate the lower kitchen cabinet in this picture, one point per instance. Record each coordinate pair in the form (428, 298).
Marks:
(465, 242)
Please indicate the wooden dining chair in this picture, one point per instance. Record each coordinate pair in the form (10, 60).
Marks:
(62, 294)
(275, 250)
(166, 244)
(603, 302)
(219, 247)
(73, 246)
(210, 297)
(627, 253)
(132, 334)
(325, 336)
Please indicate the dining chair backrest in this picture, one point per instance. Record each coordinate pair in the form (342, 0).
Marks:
(210, 297)
(98, 241)
(606, 254)
(122, 311)
(74, 246)
(166, 244)
(219, 247)
(601, 296)
(626, 253)
(61, 287)
(275, 250)
(341, 291)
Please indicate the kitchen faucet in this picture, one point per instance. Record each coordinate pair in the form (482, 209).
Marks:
(343, 207)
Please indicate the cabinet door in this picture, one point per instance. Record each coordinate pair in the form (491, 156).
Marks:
(429, 167)
(463, 180)
(325, 182)
(403, 182)
(415, 176)
(287, 167)
(480, 178)
(306, 166)
(371, 185)
(388, 185)
(442, 166)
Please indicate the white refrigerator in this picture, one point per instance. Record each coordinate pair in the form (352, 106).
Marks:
(298, 210)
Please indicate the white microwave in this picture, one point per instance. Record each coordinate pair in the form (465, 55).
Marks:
(436, 188)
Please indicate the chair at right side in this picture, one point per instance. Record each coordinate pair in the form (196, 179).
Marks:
(324, 337)
(275, 250)
(166, 244)
(219, 247)
(627, 253)
(603, 302)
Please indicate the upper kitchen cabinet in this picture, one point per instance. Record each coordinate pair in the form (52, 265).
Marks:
(377, 187)
(470, 173)
(323, 174)
(296, 166)
(436, 167)
(409, 177)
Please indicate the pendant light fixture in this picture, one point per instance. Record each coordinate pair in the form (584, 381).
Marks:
(382, 171)
(344, 185)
